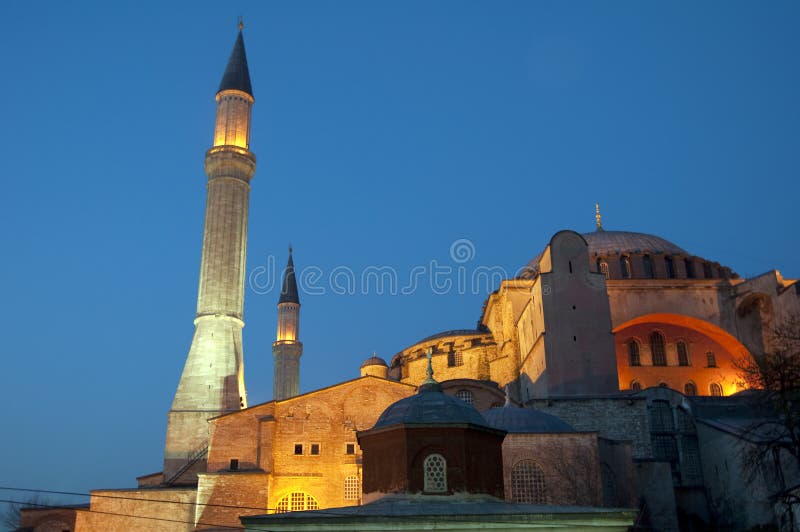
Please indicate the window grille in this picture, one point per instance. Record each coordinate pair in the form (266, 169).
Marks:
(352, 491)
(689, 389)
(715, 389)
(711, 360)
(633, 353)
(657, 349)
(296, 502)
(664, 448)
(528, 483)
(636, 386)
(670, 267)
(466, 396)
(435, 468)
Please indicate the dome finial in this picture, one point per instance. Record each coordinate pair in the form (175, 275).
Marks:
(241, 23)
(597, 217)
(429, 371)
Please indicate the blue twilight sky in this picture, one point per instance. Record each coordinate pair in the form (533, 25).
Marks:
(385, 132)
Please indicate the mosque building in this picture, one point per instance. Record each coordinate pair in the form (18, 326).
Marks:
(599, 386)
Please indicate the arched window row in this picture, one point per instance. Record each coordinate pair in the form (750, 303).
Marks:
(658, 352)
(648, 266)
(689, 388)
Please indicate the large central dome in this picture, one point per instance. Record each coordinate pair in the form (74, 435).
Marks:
(603, 242)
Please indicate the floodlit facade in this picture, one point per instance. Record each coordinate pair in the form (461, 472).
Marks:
(603, 377)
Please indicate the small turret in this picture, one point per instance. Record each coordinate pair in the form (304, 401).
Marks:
(375, 366)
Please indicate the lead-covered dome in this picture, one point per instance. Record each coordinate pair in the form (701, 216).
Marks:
(525, 420)
(374, 360)
(430, 406)
(603, 242)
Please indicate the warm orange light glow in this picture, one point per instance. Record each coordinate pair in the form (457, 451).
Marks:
(700, 336)
(233, 119)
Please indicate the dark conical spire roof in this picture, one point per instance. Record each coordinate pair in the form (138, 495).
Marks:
(237, 76)
(289, 288)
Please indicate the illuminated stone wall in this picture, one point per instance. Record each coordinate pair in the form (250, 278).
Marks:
(263, 439)
(147, 510)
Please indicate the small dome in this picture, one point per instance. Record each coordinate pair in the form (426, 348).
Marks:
(608, 242)
(430, 406)
(526, 420)
(374, 360)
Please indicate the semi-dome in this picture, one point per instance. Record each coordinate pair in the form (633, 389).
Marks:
(603, 242)
(430, 406)
(525, 420)
(374, 360)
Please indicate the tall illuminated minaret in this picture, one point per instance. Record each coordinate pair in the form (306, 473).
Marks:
(287, 349)
(212, 382)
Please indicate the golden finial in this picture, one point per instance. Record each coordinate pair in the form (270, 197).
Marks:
(597, 216)
(241, 24)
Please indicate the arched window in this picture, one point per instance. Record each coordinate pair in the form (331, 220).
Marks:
(657, 349)
(602, 267)
(352, 491)
(466, 396)
(683, 354)
(711, 360)
(708, 273)
(633, 353)
(296, 502)
(689, 266)
(527, 483)
(670, 267)
(625, 266)
(715, 389)
(435, 468)
(636, 386)
(647, 264)
(689, 389)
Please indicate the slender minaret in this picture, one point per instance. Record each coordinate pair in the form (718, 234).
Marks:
(287, 349)
(212, 382)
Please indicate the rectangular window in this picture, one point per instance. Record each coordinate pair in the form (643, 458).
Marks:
(298, 448)
(315, 448)
(350, 448)
(234, 464)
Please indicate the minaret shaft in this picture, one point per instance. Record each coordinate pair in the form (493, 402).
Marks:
(212, 382)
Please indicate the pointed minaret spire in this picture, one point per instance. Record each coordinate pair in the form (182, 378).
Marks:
(287, 349)
(597, 217)
(237, 75)
(289, 292)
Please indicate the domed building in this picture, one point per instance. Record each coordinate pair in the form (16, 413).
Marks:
(608, 311)
(619, 347)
